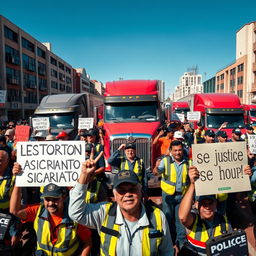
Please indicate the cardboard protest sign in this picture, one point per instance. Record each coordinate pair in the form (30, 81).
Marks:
(252, 143)
(22, 133)
(41, 123)
(194, 116)
(221, 167)
(85, 123)
(45, 162)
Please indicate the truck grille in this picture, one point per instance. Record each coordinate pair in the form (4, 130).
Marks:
(143, 149)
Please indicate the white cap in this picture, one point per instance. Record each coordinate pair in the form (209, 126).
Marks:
(178, 135)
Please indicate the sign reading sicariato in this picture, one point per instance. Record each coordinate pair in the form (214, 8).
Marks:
(221, 167)
(57, 162)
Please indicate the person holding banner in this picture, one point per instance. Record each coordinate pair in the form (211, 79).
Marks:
(203, 225)
(56, 233)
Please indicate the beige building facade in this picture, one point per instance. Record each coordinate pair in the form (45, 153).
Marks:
(240, 76)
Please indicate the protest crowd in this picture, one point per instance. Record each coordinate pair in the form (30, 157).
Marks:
(92, 217)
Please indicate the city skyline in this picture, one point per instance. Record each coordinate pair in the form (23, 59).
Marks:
(137, 40)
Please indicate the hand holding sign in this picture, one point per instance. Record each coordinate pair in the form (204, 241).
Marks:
(193, 174)
(16, 170)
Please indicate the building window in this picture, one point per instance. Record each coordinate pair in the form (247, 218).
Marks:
(221, 86)
(233, 71)
(31, 97)
(240, 80)
(53, 61)
(240, 93)
(12, 76)
(28, 63)
(54, 73)
(68, 88)
(41, 68)
(28, 45)
(61, 65)
(13, 95)
(10, 34)
(221, 76)
(68, 80)
(29, 81)
(240, 67)
(54, 85)
(68, 70)
(42, 84)
(62, 87)
(11, 55)
(40, 53)
(61, 77)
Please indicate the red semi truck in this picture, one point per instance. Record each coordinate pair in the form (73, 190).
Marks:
(218, 108)
(132, 110)
(250, 114)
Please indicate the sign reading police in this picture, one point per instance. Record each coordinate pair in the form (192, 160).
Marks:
(57, 162)
(234, 244)
(221, 167)
(5, 220)
(85, 123)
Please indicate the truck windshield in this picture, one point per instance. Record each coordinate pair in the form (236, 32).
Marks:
(216, 120)
(60, 121)
(131, 112)
(253, 112)
(181, 110)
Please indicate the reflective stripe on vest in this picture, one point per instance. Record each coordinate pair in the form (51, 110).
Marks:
(169, 177)
(6, 188)
(137, 167)
(67, 241)
(199, 235)
(109, 233)
(92, 192)
(97, 148)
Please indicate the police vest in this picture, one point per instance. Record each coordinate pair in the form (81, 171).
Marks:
(92, 192)
(6, 188)
(200, 135)
(137, 166)
(169, 177)
(67, 242)
(97, 148)
(151, 236)
(198, 236)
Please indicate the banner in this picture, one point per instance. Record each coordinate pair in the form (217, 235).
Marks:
(85, 123)
(221, 167)
(22, 133)
(41, 123)
(45, 162)
(252, 143)
(194, 116)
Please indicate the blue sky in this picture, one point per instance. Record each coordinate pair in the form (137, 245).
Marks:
(141, 39)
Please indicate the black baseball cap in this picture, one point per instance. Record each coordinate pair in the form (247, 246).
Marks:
(125, 176)
(130, 145)
(92, 132)
(52, 190)
(201, 198)
(222, 134)
(210, 133)
(236, 131)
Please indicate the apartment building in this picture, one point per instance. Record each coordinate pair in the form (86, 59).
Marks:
(240, 76)
(190, 82)
(209, 85)
(29, 70)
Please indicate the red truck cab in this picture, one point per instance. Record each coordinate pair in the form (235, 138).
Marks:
(250, 114)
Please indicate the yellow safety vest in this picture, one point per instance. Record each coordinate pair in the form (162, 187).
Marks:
(169, 177)
(200, 138)
(6, 188)
(67, 242)
(137, 167)
(92, 192)
(109, 233)
(198, 236)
